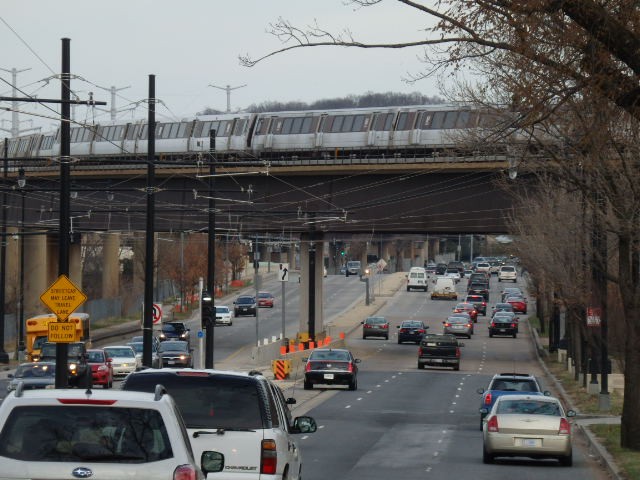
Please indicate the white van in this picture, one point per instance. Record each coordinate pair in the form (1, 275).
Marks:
(417, 278)
(444, 288)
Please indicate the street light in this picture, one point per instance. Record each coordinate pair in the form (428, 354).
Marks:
(22, 182)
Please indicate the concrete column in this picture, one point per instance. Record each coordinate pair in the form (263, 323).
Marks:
(304, 286)
(138, 262)
(333, 267)
(110, 265)
(425, 251)
(37, 265)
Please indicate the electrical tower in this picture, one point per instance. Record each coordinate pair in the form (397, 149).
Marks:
(228, 89)
(15, 121)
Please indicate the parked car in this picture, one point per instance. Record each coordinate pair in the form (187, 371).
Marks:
(331, 366)
(527, 426)
(175, 331)
(33, 375)
(176, 354)
(375, 327)
(507, 272)
(460, 326)
(439, 351)
(508, 383)
(123, 359)
(244, 305)
(101, 367)
(411, 331)
(265, 299)
(53, 434)
(244, 416)
(223, 315)
(503, 326)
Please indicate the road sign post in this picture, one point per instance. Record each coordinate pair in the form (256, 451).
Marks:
(283, 276)
(63, 297)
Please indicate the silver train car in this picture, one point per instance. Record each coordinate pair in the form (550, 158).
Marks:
(341, 133)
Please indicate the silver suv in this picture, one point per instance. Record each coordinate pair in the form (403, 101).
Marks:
(102, 434)
(244, 416)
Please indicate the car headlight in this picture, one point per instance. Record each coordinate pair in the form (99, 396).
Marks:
(73, 367)
(102, 368)
(183, 357)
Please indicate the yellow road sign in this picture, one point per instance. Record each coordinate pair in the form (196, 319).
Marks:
(63, 297)
(61, 332)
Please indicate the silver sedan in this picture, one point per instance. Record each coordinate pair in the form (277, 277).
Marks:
(458, 325)
(527, 426)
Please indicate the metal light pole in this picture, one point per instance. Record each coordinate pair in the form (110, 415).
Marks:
(4, 356)
(22, 182)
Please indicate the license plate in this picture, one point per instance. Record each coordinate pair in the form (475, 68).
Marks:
(437, 360)
(328, 376)
(503, 330)
(530, 442)
(458, 327)
(171, 362)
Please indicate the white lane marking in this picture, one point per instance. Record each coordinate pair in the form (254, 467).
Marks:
(347, 406)
(369, 391)
(360, 398)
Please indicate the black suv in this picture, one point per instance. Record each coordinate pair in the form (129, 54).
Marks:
(175, 331)
(79, 370)
(244, 305)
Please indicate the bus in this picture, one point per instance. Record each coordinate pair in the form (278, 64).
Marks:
(37, 330)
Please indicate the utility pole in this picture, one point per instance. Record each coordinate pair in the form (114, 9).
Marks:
(211, 254)
(15, 121)
(113, 91)
(228, 89)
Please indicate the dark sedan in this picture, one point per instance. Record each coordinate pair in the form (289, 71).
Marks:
(501, 307)
(331, 366)
(411, 331)
(375, 327)
(244, 305)
(175, 353)
(503, 326)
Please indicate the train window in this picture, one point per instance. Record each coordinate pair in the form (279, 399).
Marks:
(22, 144)
(297, 125)
(74, 134)
(263, 126)
(463, 119)
(87, 134)
(239, 128)
(143, 132)
(438, 120)
(182, 130)
(223, 128)
(424, 123)
(450, 120)
(326, 123)
(406, 121)
(119, 133)
(337, 123)
(287, 123)
(172, 130)
(383, 122)
(276, 126)
(47, 142)
(313, 127)
(347, 124)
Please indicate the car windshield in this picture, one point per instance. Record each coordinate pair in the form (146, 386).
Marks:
(375, 321)
(119, 352)
(514, 385)
(82, 433)
(35, 370)
(528, 407)
(173, 328)
(411, 324)
(456, 320)
(244, 300)
(222, 309)
(138, 347)
(95, 357)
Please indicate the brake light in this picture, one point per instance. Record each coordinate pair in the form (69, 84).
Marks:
(492, 424)
(385, 326)
(403, 330)
(307, 367)
(487, 399)
(513, 325)
(419, 351)
(185, 472)
(468, 325)
(268, 457)
(421, 330)
(447, 324)
(565, 427)
(85, 401)
(457, 352)
(350, 367)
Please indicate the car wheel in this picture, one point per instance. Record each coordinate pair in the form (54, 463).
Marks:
(230, 323)
(486, 456)
(566, 461)
(308, 385)
(490, 335)
(408, 289)
(456, 368)
(386, 337)
(353, 384)
(399, 342)
(515, 335)
(364, 337)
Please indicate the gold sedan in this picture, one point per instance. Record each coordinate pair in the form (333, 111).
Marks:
(527, 426)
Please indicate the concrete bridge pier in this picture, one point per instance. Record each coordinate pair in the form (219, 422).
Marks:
(311, 316)
(110, 265)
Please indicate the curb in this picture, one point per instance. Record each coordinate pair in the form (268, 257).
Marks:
(599, 451)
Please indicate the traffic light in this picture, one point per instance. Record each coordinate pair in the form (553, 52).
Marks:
(342, 253)
(207, 310)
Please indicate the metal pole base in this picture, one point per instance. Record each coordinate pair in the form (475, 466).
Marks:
(604, 402)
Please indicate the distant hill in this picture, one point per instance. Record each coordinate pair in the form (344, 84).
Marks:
(369, 99)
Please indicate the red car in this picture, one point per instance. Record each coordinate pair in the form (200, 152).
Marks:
(469, 308)
(265, 299)
(519, 304)
(101, 368)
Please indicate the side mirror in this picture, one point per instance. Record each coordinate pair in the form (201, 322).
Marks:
(571, 413)
(211, 462)
(460, 344)
(480, 391)
(304, 424)
(484, 410)
(357, 360)
(546, 393)
(10, 375)
(291, 401)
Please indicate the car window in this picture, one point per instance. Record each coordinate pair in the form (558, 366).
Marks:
(329, 355)
(215, 402)
(95, 357)
(456, 320)
(529, 407)
(172, 346)
(222, 309)
(375, 321)
(120, 352)
(73, 433)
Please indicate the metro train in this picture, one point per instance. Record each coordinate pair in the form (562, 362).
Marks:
(356, 132)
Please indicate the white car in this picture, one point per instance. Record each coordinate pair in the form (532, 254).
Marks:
(244, 416)
(484, 267)
(507, 272)
(97, 434)
(223, 315)
(123, 359)
(453, 273)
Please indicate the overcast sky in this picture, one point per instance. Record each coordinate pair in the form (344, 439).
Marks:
(193, 43)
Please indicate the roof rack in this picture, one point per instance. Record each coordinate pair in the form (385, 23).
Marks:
(159, 392)
(513, 374)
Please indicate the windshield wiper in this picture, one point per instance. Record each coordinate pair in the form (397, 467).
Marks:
(221, 431)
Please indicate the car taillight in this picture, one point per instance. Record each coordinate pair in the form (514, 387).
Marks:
(185, 472)
(403, 330)
(385, 326)
(447, 324)
(468, 325)
(513, 325)
(493, 325)
(457, 352)
(419, 351)
(487, 399)
(421, 330)
(268, 457)
(565, 427)
(307, 367)
(350, 367)
(492, 424)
